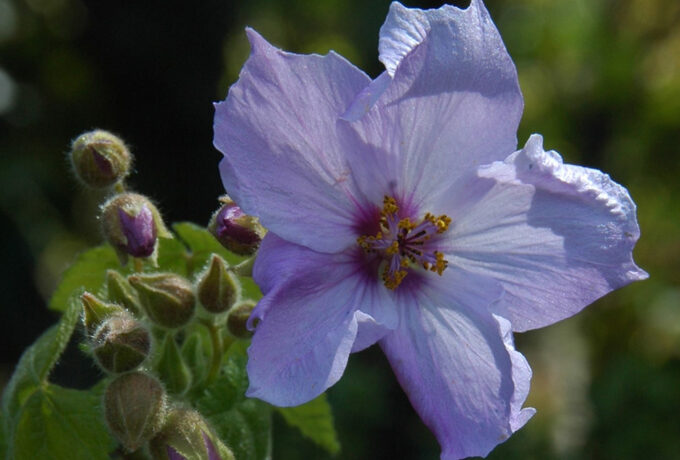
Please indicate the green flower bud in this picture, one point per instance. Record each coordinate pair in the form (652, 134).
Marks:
(121, 343)
(96, 311)
(120, 292)
(100, 159)
(238, 319)
(134, 408)
(245, 268)
(171, 367)
(186, 433)
(131, 223)
(217, 288)
(167, 298)
(235, 230)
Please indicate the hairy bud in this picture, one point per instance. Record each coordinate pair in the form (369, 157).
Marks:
(100, 159)
(187, 435)
(238, 318)
(131, 223)
(217, 288)
(120, 292)
(121, 343)
(167, 298)
(95, 311)
(134, 408)
(235, 230)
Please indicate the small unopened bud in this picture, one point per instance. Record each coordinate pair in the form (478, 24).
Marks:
(172, 369)
(131, 223)
(95, 311)
(238, 318)
(217, 288)
(100, 159)
(121, 343)
(187, 434)
(120, 292)
(135, 408)
(167, 298)
(235, 230)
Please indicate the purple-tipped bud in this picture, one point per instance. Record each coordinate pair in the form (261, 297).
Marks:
(131, 223)
(140, 231)
(134, 408)
(100, 159)
(186, 435)
(235, 230)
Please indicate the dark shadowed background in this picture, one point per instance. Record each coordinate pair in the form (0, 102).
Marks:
(601, 80)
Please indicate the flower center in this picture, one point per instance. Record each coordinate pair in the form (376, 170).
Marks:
(404, 244)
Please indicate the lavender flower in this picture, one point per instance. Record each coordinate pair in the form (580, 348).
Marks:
(399, 214)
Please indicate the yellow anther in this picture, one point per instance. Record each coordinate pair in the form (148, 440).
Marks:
(406, 223)
(441, 223)
(393, 280)
(389, 206)
(392, 249)
(440, 264)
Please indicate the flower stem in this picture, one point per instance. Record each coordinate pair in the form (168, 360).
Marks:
(139, 265)
(216, 341)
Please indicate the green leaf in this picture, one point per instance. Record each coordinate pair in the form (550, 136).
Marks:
(35, 365)
(203, 244)
(60, 423)
(172, 256)
(315, 420)
(87, 273)
(243, 424)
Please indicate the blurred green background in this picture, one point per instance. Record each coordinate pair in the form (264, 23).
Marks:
(601, 80)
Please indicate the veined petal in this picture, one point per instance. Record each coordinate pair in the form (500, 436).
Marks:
(283, 160)
(310, 320)
(465, 381)
(556, 236)
(454, 103)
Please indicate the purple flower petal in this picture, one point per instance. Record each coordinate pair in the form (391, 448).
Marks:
(140, 232)
(310, 319)
(283, 160)
(556, 236)
(465, 381)
(173, 454)
(454, 103)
